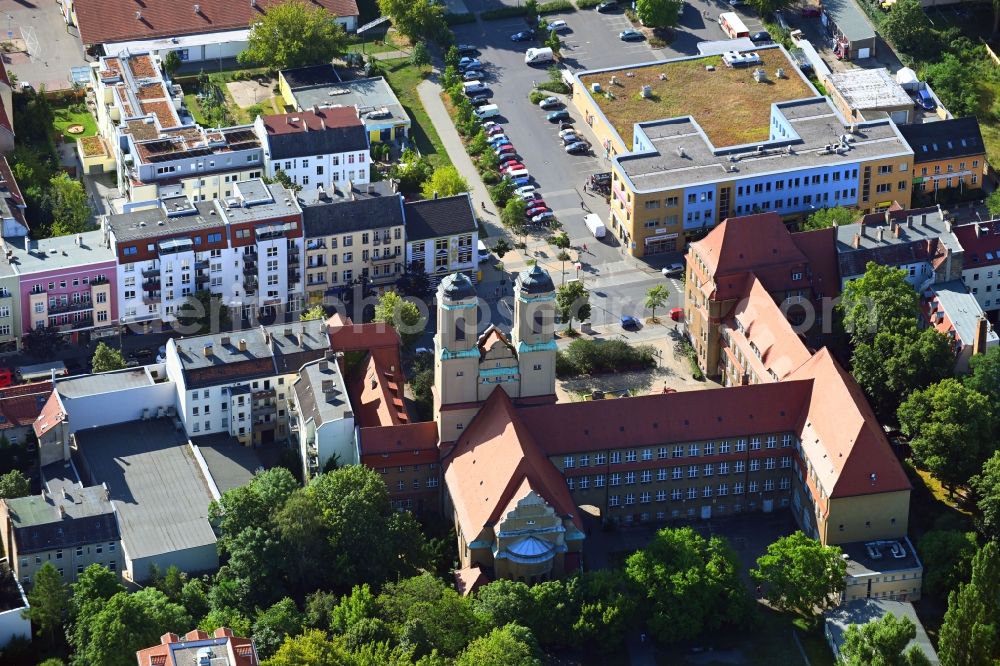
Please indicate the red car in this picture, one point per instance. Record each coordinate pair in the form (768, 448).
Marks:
(511, 166)
(536, 210)
(535, 203)
(493, 131)
(506, 150)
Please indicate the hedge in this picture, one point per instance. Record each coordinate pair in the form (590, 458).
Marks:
(556, 6)
(459, 19)
(586, 357)
(503, 12)
(554, 86)
(587, 4)
(536, 96)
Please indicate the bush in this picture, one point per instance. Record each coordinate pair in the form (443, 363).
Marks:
(584, 357)
(554, 86)
(688, 350)
(536, 96)
(657, 43)
(503, 12)
(556, 6)
(459, 19)
(490, 177)
(587, 4)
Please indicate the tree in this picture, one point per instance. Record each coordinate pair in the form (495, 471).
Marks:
(430, 615)
(313, 313)
(560, 241)
(106, 359)
(273, 625)
(42, 342)
(444, 182)
(880, 300)
(573, 302)
(312, 648)
(411, 171)
(478, 145)
(171, 63)
(91, 592)
(512, 215)
(689, 585)
(452, 57)
(801, 574)
(203, 312)
(416, 19)
(403, 315)
(293, 34)
(993, 200)
(563, 256)
(502, 602)
(659, 13)
(553, 42)
(14, 484)
(881, 642)
(958, 91)
(907, 27)
(194, 598)
(128, 623)
(509, 646)
(986, 485)
(899, 362)
(968, 635)
(984, 372)
(500, 248)
(950, 429)
(48, 601)
(283, 179)
(502, 192)
(656, 297)
(827, 217)
(947, 558)
(531, 12)
(415, 281)
(71, 212)
(359, 605)
(420, 56)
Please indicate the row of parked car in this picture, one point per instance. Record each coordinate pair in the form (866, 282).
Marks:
(511, 167)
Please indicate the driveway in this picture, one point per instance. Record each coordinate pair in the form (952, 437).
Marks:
(51, 47)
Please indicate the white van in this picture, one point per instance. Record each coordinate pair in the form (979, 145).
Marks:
(537, 56)
(487, 111)
(483, 251)
(472, 87)
(595, 225)
(518, 173)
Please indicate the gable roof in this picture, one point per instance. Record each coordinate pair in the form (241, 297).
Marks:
(102, 21)
(944, 139)
(376, 390)
(493, 458)
(775, 346)
(53, 413)
(444, 216)
(46, 522)
(21, 404)
(421, 436)
(741, 244)
(326, 131)
(820, 248)
(339, 217)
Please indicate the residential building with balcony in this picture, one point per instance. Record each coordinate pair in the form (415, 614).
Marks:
(980, 266)
(240, 383)
(70, 528)
(158, 148)
(442, 235)
(66, 282)
(11, 328)
(353, 238)
(322, 416)
(317, 148)
(954, 312)
(947, 155)
(221, 648)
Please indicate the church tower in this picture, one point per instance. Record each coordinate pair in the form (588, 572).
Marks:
(533, 333)
(456, 356)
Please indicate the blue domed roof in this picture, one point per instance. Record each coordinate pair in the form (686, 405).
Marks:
(458, 287)
(535, 280)
(531, 548)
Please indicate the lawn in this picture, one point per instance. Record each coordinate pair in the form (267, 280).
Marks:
(66, 117)
(767, 643)
(404, 78)
(931, 507)
(729, 105)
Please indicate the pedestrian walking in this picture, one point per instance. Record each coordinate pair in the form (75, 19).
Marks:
(584, 247)
(582, 206)
(483, 204)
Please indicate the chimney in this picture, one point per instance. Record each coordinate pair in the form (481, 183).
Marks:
(923, 220)
(225, 341)
(327, 385)
(857, 241)
(897, 230)
(64, 493)
(880, 234)
(323, 366)
(395, 185)
(862, 230)
(62, 511)
(909, 221)
(888, 216)
(243, 344)
(947, 226)
(982, 328)
(208, 349)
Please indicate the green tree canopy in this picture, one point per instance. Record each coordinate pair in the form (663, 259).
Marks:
(294, 33)
(14, 484)
(444, 182)
(510, 646)
(313, 313)
(90, 593)
(273, 625)
(907, 27)
(416, 19)
(311, 648)
(984, 373)
(969, 635)
(801, 574)
(827, 217)
(690, 585)
(881, 642)
(958, 91)
(171, 63)
(573, 302)
(429, 615)
(42, 342)
(950, 429)
(512, 215)
(48, 601)
(502, 602)
(127, 623)
(947, 559)
(986, 484)
(656, 297)
(71, 212)
(553, 42)
(880, 300)
(659, 13)
(403, 315)
(106, 359)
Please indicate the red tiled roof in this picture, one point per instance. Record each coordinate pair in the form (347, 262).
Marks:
(422, 436)
(51, 415)
(765, 327)
(312, 121)
(102, 21)
(820, 249)
(21, 404)
(4, 77)
(978, 245)
(470, 579)
(8, 182)
(243, 652)
(347, 336)
(742, 244)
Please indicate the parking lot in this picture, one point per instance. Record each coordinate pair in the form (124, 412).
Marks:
(45, 49)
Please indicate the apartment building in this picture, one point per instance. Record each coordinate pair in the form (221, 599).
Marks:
(221, 648)
(322, 416)
(240, 383)
(245, 249)
(70, 528)
(947, 155)
(980, 266)
(953, 311)
(68, 283)
(353, 238)
(442, 235)
(677, 177)
(316, 148)
(158, 148)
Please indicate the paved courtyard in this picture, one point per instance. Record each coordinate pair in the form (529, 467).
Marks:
(51, 47)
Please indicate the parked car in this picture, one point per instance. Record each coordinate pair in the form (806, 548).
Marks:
(537, 202)
(521, 181)
(549, 103)
(543, 217)
(556, 116)
(512, 166)
(509, 157)
(606, 7)
(558, 26)
(631, 36)
(529, 189)
(536, 211)
(566, 124)
(491, 124)
(497, 139)
(479, 100)
(762, 37)
(579, 147)
(469, 63)
(523, 36)
(926, 100)
(673, 269)
(505, 149)
(630, 323)
(472, 75)
(467, 49)
(494, 130)
(529, 196)
(570, 138)
(565, 131)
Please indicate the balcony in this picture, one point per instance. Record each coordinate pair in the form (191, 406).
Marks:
(98, 281)
(151, 272)
(201, 264)
(151, 285)
(249, 269)
(317, 281)
(250, 258)
(151, 299)
(83, 322)
(201, 278)
(60, 308)
(293, 259)
(386, 257)
(250, 287)
(319, 263)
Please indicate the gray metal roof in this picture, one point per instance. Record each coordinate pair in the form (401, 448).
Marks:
(326, 218)
(863, 611)
(254, 201)
(159, 492)
(321, 392)
(59, 252)
(683, 156)
(366, 94)
(79, 386)
(964, 311)
(869, 88)
(437, 218)
(849, 19)
(169, 219)
(87, 517)
(230, 463)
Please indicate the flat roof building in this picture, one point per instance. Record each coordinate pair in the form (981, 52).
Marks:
(869, 94)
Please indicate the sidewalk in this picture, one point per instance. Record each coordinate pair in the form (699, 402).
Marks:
(430, 96)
